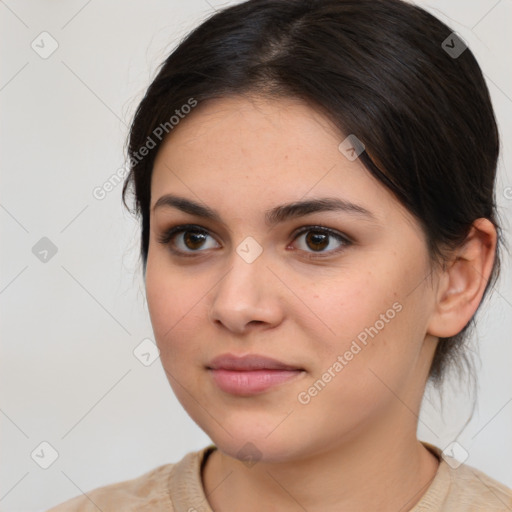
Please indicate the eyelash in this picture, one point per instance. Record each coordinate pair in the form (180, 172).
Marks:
(171, 233)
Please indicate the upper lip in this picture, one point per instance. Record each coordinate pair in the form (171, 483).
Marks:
(248, 362)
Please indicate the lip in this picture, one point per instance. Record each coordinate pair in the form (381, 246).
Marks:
(250, 374)
(248, 362)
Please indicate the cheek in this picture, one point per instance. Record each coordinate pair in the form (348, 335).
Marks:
(352, 306)
(359, 380)
(174, 301)
(375, 325)
(159, 295)
(174, 305)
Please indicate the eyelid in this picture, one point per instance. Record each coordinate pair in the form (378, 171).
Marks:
(341, 237)
(312, 227)
(169, 234)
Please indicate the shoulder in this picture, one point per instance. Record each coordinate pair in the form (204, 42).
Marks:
(477, 490)
(150, 491)
(463, 488)
(141, 493)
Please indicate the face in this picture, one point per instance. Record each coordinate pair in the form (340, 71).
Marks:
(338, 295)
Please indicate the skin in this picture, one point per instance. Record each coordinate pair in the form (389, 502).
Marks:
(354, 445)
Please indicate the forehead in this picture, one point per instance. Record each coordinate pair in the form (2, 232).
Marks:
(253, 149)
(260, 124)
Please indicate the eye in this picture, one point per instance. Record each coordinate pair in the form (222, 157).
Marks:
(319, 238)
(191, 238)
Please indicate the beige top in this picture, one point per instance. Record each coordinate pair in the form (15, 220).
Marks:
(178, 488)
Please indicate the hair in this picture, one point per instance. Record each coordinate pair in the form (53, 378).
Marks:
(377, 69)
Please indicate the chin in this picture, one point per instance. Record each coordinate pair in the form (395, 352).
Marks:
(256, 450)
(253, 439)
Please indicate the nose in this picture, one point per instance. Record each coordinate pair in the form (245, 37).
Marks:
(248, 296)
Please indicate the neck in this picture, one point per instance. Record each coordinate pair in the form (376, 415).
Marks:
(383, 470)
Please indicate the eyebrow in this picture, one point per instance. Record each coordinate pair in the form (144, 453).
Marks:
(275, 215)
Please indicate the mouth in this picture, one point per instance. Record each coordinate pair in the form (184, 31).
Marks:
(251, 374)
(251, 362)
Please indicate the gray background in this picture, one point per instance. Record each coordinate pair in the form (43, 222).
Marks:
(69, 326)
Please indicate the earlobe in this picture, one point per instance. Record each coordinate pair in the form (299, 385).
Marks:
(464, 280)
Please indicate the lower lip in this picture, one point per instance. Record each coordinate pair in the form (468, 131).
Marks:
(251, 382)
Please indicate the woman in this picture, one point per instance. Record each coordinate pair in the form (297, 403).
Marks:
(315, 181)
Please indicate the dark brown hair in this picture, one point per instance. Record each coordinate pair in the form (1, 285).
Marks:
(384, 70)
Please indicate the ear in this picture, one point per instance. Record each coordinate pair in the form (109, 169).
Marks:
(462, 283)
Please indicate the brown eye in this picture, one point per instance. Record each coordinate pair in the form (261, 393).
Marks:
(186, 239)
(191, 240)
(318, 239)
(194, 239)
